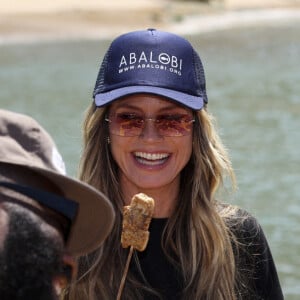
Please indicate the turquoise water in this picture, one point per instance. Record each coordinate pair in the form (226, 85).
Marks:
(253, 81)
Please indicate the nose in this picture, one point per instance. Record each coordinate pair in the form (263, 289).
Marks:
(150, 131)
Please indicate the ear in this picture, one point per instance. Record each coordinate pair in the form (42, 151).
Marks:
(60, 281)
(70, 263)
(4, 220)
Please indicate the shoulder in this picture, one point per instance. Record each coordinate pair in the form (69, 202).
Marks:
(253, 255)
(239, 221)
(248, 240)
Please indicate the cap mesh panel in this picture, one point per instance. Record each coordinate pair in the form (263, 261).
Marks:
(99, 86)
(200, 76)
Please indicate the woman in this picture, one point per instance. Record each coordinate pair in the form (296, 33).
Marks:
(149, 131)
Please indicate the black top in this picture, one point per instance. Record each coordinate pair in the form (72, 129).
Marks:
(256, 256)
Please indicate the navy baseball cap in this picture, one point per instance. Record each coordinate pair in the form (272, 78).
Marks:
(151, 61)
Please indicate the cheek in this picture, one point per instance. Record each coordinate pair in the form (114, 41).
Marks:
(119, 147)
(114, 150)
(186, 146)
(184, 151)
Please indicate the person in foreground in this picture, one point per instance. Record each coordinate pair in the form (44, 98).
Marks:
(46, 218)
(149, 130)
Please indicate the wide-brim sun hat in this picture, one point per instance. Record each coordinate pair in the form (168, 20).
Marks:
(151, 61)
(25, 143)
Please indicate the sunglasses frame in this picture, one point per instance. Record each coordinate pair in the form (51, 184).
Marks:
(109, 118)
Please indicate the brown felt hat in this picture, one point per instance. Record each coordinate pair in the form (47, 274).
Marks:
(23, 142)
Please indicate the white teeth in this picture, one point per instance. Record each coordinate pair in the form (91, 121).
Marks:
(151, 156)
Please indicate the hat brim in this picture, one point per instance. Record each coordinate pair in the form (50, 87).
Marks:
(95, 211)
(190, 101)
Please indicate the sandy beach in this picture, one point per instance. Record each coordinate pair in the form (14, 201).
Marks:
(33, 20)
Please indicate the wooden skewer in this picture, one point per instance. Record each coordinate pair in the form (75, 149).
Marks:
(125, 273)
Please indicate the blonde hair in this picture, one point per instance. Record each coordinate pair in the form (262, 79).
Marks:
(203, 250)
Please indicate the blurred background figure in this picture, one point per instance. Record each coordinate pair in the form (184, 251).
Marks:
(46, 218)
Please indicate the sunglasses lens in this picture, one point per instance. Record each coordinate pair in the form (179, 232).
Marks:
(174, 125)
(166, 125)
(126, 124)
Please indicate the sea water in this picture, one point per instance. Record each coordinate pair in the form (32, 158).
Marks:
(253, 83)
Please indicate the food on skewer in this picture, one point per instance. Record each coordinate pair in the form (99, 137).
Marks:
(136, 220)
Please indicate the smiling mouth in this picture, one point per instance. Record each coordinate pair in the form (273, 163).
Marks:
(151, 159)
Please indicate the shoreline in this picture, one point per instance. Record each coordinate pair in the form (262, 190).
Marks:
(237, 19)
(98, 20)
